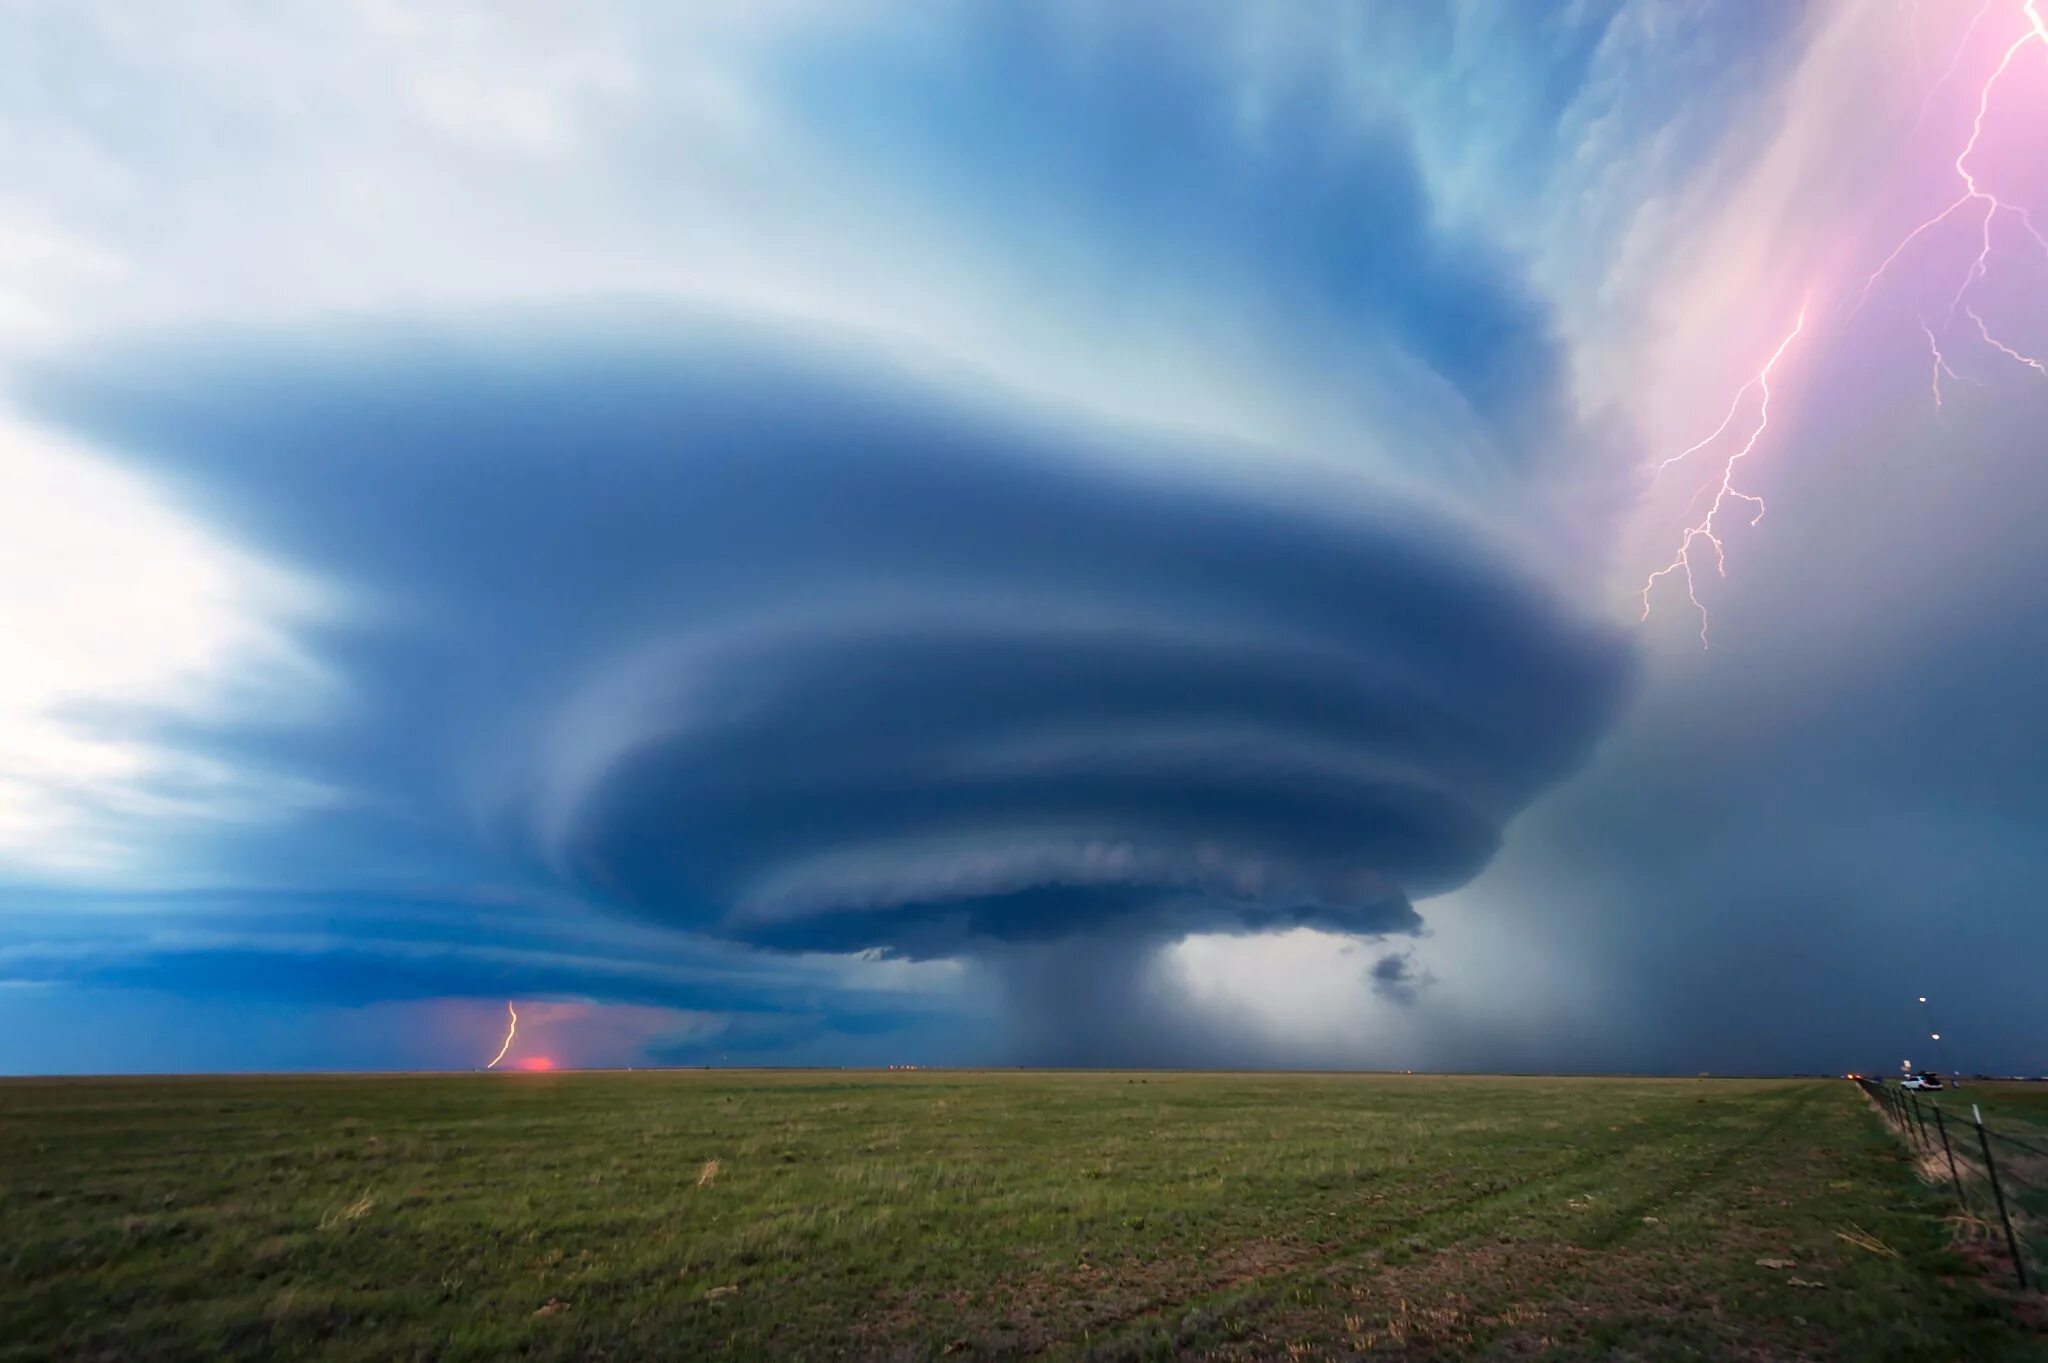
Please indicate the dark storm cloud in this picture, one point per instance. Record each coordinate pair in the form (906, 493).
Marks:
(1840, 807)
(369, 970)
(796, 651)
(338, 950)
(1395, 976)
(1775, 893)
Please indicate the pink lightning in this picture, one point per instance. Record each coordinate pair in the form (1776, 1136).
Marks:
(1973, 192)
(1940, 363)
(1954, 61)
(1705, 528)
(1975, 195)
(2004, 349)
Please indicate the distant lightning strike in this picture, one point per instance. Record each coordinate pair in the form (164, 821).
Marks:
(1974, 193)
(511, 1030)
(1954, 61)
(2004, 349)
(1725, 491)
(1940, 363)
(1733, 407)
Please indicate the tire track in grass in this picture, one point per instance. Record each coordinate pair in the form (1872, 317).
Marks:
(1628, 1219)
(1471, 1306)
(1588, 1164)
(1555, 1300)
(1309, 1259)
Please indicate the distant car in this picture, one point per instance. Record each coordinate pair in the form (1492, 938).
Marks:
(1921, 1081)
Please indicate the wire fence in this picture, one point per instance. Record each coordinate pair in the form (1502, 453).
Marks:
(2000, 1180)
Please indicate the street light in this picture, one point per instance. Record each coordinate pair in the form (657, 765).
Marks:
(1934, 1034)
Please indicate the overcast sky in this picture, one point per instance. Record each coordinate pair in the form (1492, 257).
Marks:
(788, 533)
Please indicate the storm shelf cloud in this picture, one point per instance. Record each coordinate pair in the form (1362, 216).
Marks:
(750, 637)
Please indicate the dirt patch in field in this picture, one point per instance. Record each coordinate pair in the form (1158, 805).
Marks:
(1507, 1301)
(1028, 1314)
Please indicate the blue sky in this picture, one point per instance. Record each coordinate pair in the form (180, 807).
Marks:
(789, 534)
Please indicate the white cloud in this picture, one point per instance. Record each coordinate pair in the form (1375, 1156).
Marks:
(286, 166)
(115, 611)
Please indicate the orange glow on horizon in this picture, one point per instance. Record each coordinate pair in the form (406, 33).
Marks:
(535, 1062)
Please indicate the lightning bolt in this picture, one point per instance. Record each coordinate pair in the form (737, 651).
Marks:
(2036, 31)
(1953, 62)
(1940, 362)
(1975, 196)
(2004, 349)
(511, 1030)
(1725, 491)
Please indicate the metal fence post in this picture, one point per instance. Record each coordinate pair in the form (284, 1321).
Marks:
(1921, 1118)
(1948, 1150)
(2012, 1243)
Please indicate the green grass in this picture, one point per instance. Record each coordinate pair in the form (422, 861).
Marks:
(2021, 1108)
(981, 1215)
(2019, 1111)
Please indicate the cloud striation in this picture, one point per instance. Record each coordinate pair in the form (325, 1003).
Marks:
(798, 650)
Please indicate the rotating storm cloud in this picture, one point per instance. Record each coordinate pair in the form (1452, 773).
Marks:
(863, 537)
(793, 651)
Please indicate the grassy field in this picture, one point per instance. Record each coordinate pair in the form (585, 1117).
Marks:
(2007, 1106)
(692, 1214)
(2020, 1112)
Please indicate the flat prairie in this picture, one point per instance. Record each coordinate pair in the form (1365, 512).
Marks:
(808, 1215)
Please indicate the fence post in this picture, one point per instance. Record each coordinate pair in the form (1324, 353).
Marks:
(2012, 1244)
(1926, 1141)
(1948, 1150)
